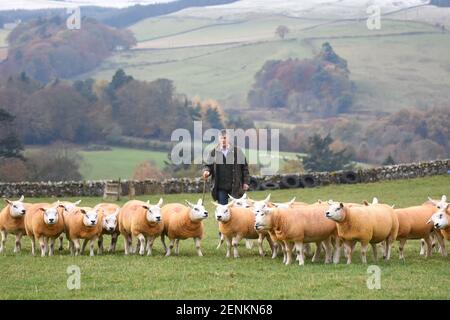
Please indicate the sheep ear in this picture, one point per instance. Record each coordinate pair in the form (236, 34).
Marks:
(116, 213)
(83, 211)
(42, 209)
(444, 198)
(319, 201)
(189, 204)
(21, 199)
(77, 202)
(341, 205)
(160, 202)
(231, 204)
(375, 200)
(266, 200)
(8, 201)
(429, 221)
(244, 196)
(231, 197)
(292, 201)
(365, 203)
(200, 202)
(432, 201)
(330, 202)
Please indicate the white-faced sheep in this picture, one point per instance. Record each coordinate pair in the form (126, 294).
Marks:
(183, 222)
(141, 220)
(299, 225)
(235, 224)
(110, 226)
(68, 206)
(367, 224)
(83, 223)
(441, 221)
(44, 222)
(12, 220)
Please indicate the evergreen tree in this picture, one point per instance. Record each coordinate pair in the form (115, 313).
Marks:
(10, 145)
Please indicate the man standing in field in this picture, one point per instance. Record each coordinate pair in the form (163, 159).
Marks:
(228, 167)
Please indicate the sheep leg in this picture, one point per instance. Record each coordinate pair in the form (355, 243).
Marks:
(141, 241)
(51, 252)
(234, 243)
(197, 246)
(374, 251)
(364, 247)
(163, 242)
(150, 241)
(260, 244)
(283, 248)
(71, 247)
(422, 247)
(316, 256)
(228, 240)
(18, 244)
(275, 250)
(112, 246)
(271, 243)
(429, 247)
(4, 236)
(76, 243)
(33, 245)
(401, 247)
(440, 240)
(299, 248)
(83, 246)
(126, 243)
(348, 246)
(61, 243)
(221, 239)
(328, 250)
(288, 246)
(177, 246)
(92, 244)
(100, 245)
(337, 250)
(169, 249)
(42, 245)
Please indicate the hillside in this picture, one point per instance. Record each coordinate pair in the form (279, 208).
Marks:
(400, 66)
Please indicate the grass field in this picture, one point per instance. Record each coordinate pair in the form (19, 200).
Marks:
(399, 66)
(113, 276)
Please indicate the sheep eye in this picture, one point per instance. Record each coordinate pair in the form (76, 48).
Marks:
(15, 206)
(196, 209)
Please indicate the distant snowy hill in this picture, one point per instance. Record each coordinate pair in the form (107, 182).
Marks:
(305, 8)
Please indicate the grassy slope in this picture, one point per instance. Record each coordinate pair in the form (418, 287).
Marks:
(391, 72)
(121, 162)
(250, 277)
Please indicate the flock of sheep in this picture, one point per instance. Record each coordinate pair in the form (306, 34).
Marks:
(287, 227)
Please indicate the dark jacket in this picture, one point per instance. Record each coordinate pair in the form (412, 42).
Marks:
(239, 172)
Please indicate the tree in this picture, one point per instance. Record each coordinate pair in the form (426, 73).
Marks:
(213, 117)
(282, 31)
(389, 161)
(322, 158)
(10, 144)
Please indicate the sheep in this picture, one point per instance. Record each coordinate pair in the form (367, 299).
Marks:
(435, 236)
(67, 207)
(289, 204)
(83, 223)
(44, 221)
(413, 225)
(234, 224)
(110, 226)
(12, 221)
(366, 224)
(183, 222)
(299, 225)
(143, 221)
(440, 220)
(241, 202)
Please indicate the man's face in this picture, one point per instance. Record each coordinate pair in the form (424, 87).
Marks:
(223, 140)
